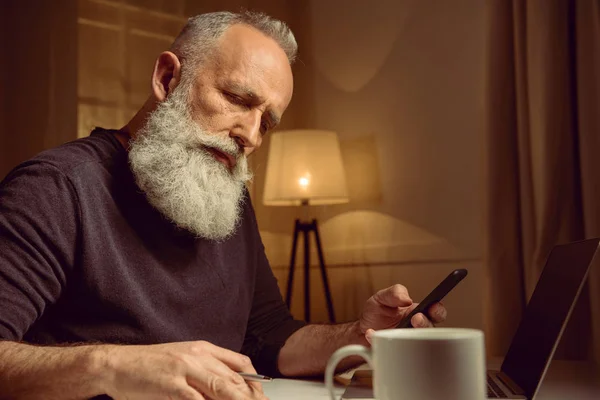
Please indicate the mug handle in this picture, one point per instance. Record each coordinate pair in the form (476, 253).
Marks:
(341, 353)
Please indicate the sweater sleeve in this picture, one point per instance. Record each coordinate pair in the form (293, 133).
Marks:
(270, 323)
(38, 235)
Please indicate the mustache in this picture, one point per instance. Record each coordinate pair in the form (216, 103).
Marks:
(226, 145)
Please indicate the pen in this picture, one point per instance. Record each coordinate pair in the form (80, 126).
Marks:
(255, 377)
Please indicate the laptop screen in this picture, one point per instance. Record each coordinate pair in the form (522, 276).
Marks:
(549, 307)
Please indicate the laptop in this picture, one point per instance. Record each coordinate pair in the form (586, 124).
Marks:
(539, 331)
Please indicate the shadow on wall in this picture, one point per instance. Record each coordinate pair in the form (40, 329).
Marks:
(368, 52)
(365, 237)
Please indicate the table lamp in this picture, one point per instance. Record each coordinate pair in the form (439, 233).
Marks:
(305, 168)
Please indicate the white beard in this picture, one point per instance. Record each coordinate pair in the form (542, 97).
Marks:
(181, 179)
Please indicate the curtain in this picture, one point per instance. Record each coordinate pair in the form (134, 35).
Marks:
(542, 147)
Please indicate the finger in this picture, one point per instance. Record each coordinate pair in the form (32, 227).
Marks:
(437, 313)
(236, 378)
(219, 368)
(406, 311)
(254, 395)
(246, 366)
(393, 313)
(246, 386)
(255, 386)
(259, 395)
(420, 321)
(235, 361)
(394, 296)
(189, 393)
(214, 386)
(369, 335)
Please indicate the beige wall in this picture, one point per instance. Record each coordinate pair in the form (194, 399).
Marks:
(40, 73)
(402, 83)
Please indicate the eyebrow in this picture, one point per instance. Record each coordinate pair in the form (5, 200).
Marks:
(272, 116)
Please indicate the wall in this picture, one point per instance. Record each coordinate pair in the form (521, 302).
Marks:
(118, 43)
(402, 83)
(39, 90)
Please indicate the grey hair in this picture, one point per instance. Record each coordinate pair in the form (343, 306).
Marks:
(199, 35)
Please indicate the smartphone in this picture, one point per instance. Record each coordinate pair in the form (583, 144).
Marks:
(436, 295)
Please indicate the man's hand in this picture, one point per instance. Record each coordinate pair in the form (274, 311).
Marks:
(186, 370)
(386, 308)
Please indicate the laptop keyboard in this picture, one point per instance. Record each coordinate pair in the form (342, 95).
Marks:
(493, 390)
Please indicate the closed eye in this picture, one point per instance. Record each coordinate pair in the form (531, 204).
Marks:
(264, 127)
(268, 122)
(235, 99)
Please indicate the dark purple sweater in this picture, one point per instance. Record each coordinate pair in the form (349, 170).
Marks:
(85, 258)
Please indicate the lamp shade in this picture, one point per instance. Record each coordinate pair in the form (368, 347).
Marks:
(305, 166)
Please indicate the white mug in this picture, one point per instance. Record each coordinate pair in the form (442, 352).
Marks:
(421, 364)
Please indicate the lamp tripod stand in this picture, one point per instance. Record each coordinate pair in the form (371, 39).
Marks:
(305, 169)
(306, 228)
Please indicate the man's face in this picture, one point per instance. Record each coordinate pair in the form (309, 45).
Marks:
(242, 89)
(190, 158)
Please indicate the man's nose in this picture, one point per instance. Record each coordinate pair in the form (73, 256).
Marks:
(247, 131)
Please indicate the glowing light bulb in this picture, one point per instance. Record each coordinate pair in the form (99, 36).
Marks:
(304, 181)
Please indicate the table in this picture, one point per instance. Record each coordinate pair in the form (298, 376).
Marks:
(296, 389)
(565, 380)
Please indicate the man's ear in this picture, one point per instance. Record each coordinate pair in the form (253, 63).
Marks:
(166, 75)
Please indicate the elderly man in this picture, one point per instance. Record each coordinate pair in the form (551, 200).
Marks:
(130, 261)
